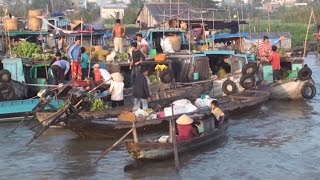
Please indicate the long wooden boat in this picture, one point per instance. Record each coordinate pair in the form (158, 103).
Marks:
(109, 126)
(154, 150)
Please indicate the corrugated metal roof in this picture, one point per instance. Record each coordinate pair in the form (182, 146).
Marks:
(159, 11)
(108, 5)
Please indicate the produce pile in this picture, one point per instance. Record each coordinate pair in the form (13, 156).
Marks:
(26, 49)
(46, 56)
(124, 56)
(97, 104)
(99, 55)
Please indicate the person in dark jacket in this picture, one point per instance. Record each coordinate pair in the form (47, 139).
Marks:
(140, 90)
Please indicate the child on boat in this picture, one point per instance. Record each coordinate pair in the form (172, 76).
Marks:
(217, 113)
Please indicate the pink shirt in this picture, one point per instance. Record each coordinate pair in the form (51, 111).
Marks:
(186, 132)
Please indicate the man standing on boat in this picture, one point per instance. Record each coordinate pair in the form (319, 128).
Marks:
(118, 32)
(274, 59)
(74, 54)
(143, 45)
(59, 69)
(140, 90)
(137, 58)
(264, 49)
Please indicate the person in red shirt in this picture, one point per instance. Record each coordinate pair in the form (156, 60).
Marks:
(185, 129)
(274, 59)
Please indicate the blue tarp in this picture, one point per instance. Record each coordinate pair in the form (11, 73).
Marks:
(229, 35)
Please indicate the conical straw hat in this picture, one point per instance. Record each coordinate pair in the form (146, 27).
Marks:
(184, 120)
(117, 77)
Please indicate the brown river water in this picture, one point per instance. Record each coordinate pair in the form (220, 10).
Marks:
(278, 141)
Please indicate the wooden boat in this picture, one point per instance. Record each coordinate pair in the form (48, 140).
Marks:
(86, 126)
(293, 89)
(154, 150)
(159, 99)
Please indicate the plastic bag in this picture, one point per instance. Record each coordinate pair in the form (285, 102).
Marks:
(204, 103)
(166, 45)
(140, 112)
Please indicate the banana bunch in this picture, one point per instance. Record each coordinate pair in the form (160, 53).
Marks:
(160, 67)
(96, 104)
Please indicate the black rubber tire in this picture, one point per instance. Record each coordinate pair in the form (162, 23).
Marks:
(245, 84)
(304, 73)
(304, 90)
(225, 86)
(166, 75)
(249, 69)
(5, 76)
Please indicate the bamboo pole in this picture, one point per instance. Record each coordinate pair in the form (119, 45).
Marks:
(204, 30)
(113, 146)
(81, 31)
(134, 132)
(305, 41)
(90, 54)
(174, 141)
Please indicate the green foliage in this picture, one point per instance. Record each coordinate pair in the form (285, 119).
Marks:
(96, 104)
(26, 49)
(298, 31)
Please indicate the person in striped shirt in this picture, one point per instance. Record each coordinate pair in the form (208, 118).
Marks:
(264, 49)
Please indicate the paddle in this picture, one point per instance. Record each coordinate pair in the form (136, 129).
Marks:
(114, 145)
(174, 141)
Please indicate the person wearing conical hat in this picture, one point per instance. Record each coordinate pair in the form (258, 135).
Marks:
(185, 129)
(116, 89)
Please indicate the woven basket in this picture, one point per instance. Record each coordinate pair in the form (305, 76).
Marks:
(127, 116)
(34, 13)
(175, 42)
(10, 24)
(34, 24)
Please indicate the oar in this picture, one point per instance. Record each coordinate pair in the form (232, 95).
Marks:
(174, 141)
(56, 120)
(114, 145)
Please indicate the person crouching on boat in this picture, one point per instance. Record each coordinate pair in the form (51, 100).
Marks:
(185, 129)
(140, 90)
(116, 89)
(274, 59)
(264, 49)
(101, 75)
(59, 69)
(217, 113)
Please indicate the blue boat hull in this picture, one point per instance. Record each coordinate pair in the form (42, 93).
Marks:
(18, 108)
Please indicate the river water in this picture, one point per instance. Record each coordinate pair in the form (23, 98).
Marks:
(278, 141)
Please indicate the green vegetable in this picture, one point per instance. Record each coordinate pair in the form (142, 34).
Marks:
(96, 105)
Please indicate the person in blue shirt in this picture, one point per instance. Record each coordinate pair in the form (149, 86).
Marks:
(84, 63)
(59, 69)
(74, 54)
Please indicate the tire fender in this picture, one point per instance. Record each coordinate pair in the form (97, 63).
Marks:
(305, 93)
(247, 81)
(249, 69)
(225, 87)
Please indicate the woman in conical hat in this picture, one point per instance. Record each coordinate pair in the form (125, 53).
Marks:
(116, 89)
(185, 129)
(117, 77)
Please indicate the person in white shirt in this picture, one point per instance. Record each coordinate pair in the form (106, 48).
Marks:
(116, 89)
(101, 74)
(143, 45)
